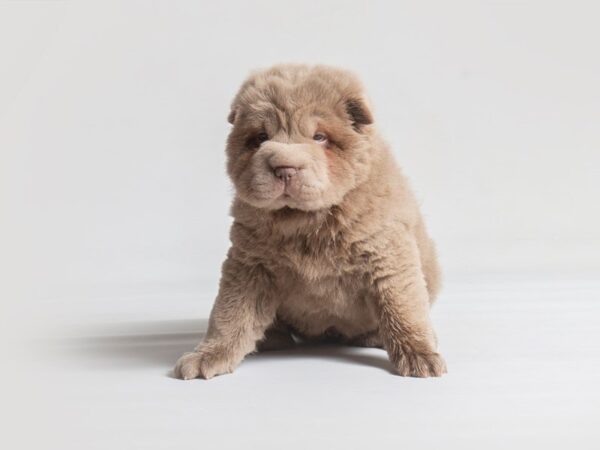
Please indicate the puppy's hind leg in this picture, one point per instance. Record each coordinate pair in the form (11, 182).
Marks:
(277, 337)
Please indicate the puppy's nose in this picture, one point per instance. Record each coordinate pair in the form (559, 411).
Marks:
(285, 172)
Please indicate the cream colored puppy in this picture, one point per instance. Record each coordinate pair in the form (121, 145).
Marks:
(327, 241)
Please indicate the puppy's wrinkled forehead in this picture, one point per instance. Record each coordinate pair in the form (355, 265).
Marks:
(284, 94)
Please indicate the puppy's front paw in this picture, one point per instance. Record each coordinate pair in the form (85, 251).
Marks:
(202, 363)
(412, 363)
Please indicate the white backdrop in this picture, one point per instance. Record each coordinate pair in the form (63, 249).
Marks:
(113, 126)
(113, 122)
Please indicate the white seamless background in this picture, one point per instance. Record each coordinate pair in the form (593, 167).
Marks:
(114, 122)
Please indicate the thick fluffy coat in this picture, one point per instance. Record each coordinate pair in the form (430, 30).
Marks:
(327, 241)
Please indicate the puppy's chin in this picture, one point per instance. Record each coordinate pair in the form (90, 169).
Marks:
(276, 195)
(285, 202)
(279, 199)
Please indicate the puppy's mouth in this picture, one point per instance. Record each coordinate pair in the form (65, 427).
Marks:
(295, 194)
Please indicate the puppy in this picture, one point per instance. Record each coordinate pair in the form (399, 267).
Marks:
(327, 241)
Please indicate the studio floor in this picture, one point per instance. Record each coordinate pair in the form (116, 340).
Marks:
(523, 360)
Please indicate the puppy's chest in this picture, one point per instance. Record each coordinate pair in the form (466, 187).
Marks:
(322, 260)
(334, 304)
(324, 286)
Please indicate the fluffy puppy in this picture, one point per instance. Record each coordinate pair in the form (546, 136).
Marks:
(327, 241)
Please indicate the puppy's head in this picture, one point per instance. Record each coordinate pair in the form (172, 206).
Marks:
(300, 138)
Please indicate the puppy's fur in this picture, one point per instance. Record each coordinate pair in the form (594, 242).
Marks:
(327, 240)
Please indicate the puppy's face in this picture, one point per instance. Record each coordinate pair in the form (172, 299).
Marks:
(299, 138)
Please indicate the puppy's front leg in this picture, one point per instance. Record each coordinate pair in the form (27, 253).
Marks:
(403, 303)
(244, 308)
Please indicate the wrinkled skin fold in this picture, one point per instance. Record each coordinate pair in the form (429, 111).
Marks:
(327, 241)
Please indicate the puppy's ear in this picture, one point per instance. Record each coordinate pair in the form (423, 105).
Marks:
(231, 116)
(359, 112)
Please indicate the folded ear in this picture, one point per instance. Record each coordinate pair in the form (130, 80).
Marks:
(359, 112)
(231, 116)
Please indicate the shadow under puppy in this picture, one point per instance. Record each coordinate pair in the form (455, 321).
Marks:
(327, 239)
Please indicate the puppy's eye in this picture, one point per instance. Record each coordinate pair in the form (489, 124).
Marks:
(262, 137)
(320, 137)
(257, 139)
